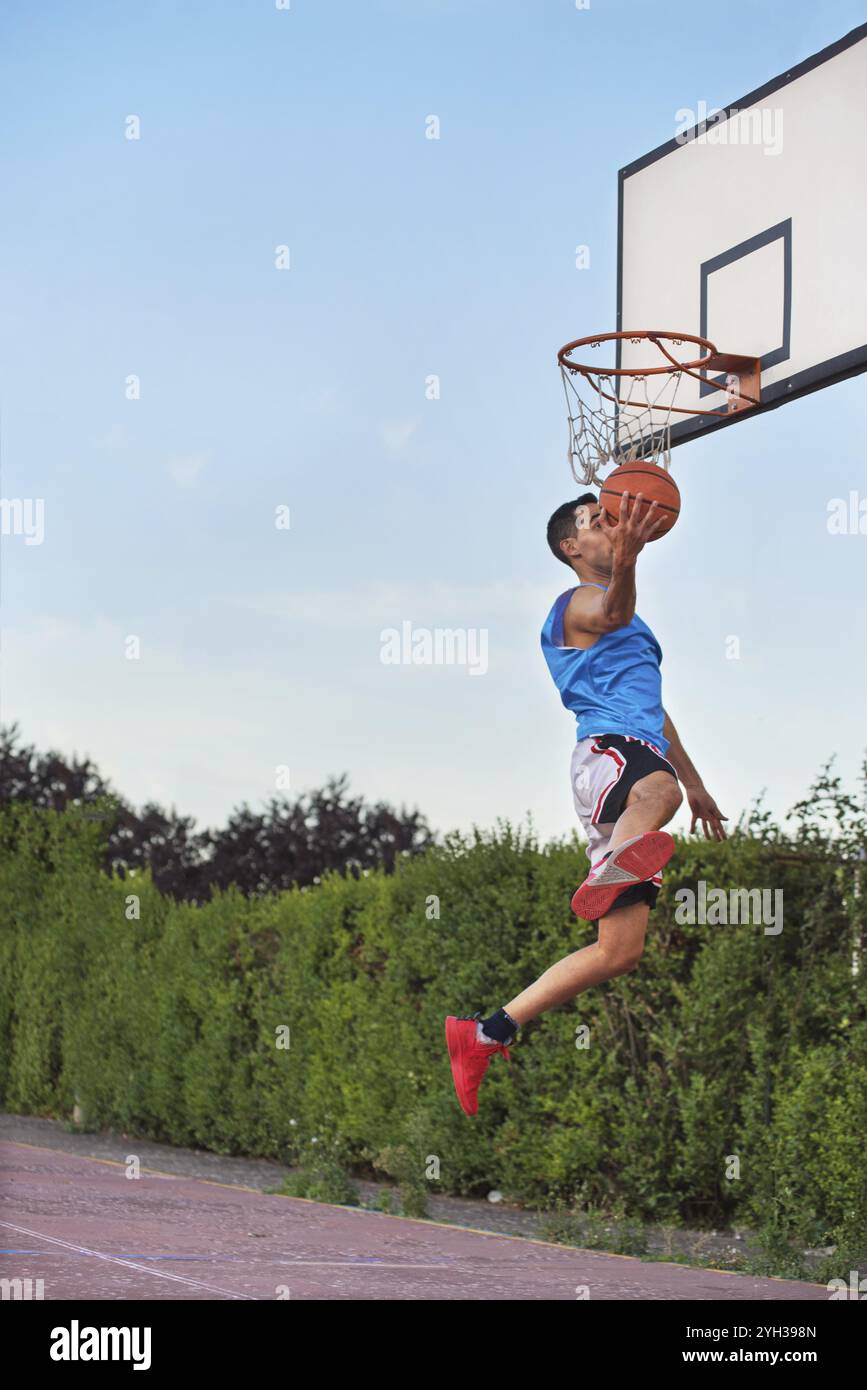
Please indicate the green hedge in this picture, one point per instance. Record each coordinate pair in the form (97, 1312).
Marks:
(724, 1042)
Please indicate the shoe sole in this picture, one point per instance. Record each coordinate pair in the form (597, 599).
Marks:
(634, 862)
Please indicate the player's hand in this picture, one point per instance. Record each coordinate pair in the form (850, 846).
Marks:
(634, 527)
(705, 809)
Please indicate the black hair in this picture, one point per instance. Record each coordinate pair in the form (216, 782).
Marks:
(561, 525)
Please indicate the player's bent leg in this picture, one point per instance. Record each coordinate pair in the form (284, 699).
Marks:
(651, 803)
(617, 950)
(560, 983)
(622, 935)
(626, 843)
(617, 896)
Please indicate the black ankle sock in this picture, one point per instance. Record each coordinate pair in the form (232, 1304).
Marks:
(500, 1026)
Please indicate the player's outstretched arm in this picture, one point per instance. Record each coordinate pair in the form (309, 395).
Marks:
(603, 610)
(701, 804)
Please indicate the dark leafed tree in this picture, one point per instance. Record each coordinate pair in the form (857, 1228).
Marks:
(289, 842)
(44, 779)
(298, 841)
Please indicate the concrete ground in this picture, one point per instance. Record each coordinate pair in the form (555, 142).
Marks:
(199, 1226)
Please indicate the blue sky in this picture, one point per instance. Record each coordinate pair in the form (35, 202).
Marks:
(305, 388)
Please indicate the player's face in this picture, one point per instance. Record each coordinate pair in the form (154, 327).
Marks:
(594, 543)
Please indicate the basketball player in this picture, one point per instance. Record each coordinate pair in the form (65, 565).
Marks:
(625, 769)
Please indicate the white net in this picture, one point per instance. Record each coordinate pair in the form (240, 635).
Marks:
(617, 419)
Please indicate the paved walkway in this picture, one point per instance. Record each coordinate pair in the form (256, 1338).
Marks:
(90, 1232)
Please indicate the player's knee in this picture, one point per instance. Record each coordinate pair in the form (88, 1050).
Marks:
(621, 958)
(629, 962)
(665, 793)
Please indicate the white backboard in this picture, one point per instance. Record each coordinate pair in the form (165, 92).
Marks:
(749, 227)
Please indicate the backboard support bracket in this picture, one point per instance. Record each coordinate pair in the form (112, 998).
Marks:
(742, 379)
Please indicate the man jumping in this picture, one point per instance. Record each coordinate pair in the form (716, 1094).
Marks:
(605, 663)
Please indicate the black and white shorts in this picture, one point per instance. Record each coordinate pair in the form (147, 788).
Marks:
(604, 770)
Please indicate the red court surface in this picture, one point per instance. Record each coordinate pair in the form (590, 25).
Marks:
(89, 1232)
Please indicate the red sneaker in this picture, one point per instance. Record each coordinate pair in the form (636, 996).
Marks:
(635, 861)
(470, 1059)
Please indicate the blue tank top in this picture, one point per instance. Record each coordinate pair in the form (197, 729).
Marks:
(615, 686)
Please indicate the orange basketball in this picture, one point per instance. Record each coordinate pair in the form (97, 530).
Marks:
(652, 482)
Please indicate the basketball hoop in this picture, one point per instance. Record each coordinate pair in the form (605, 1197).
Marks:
(620, 414)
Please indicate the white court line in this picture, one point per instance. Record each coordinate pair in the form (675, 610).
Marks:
(130, 1264)
(197, 1283)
